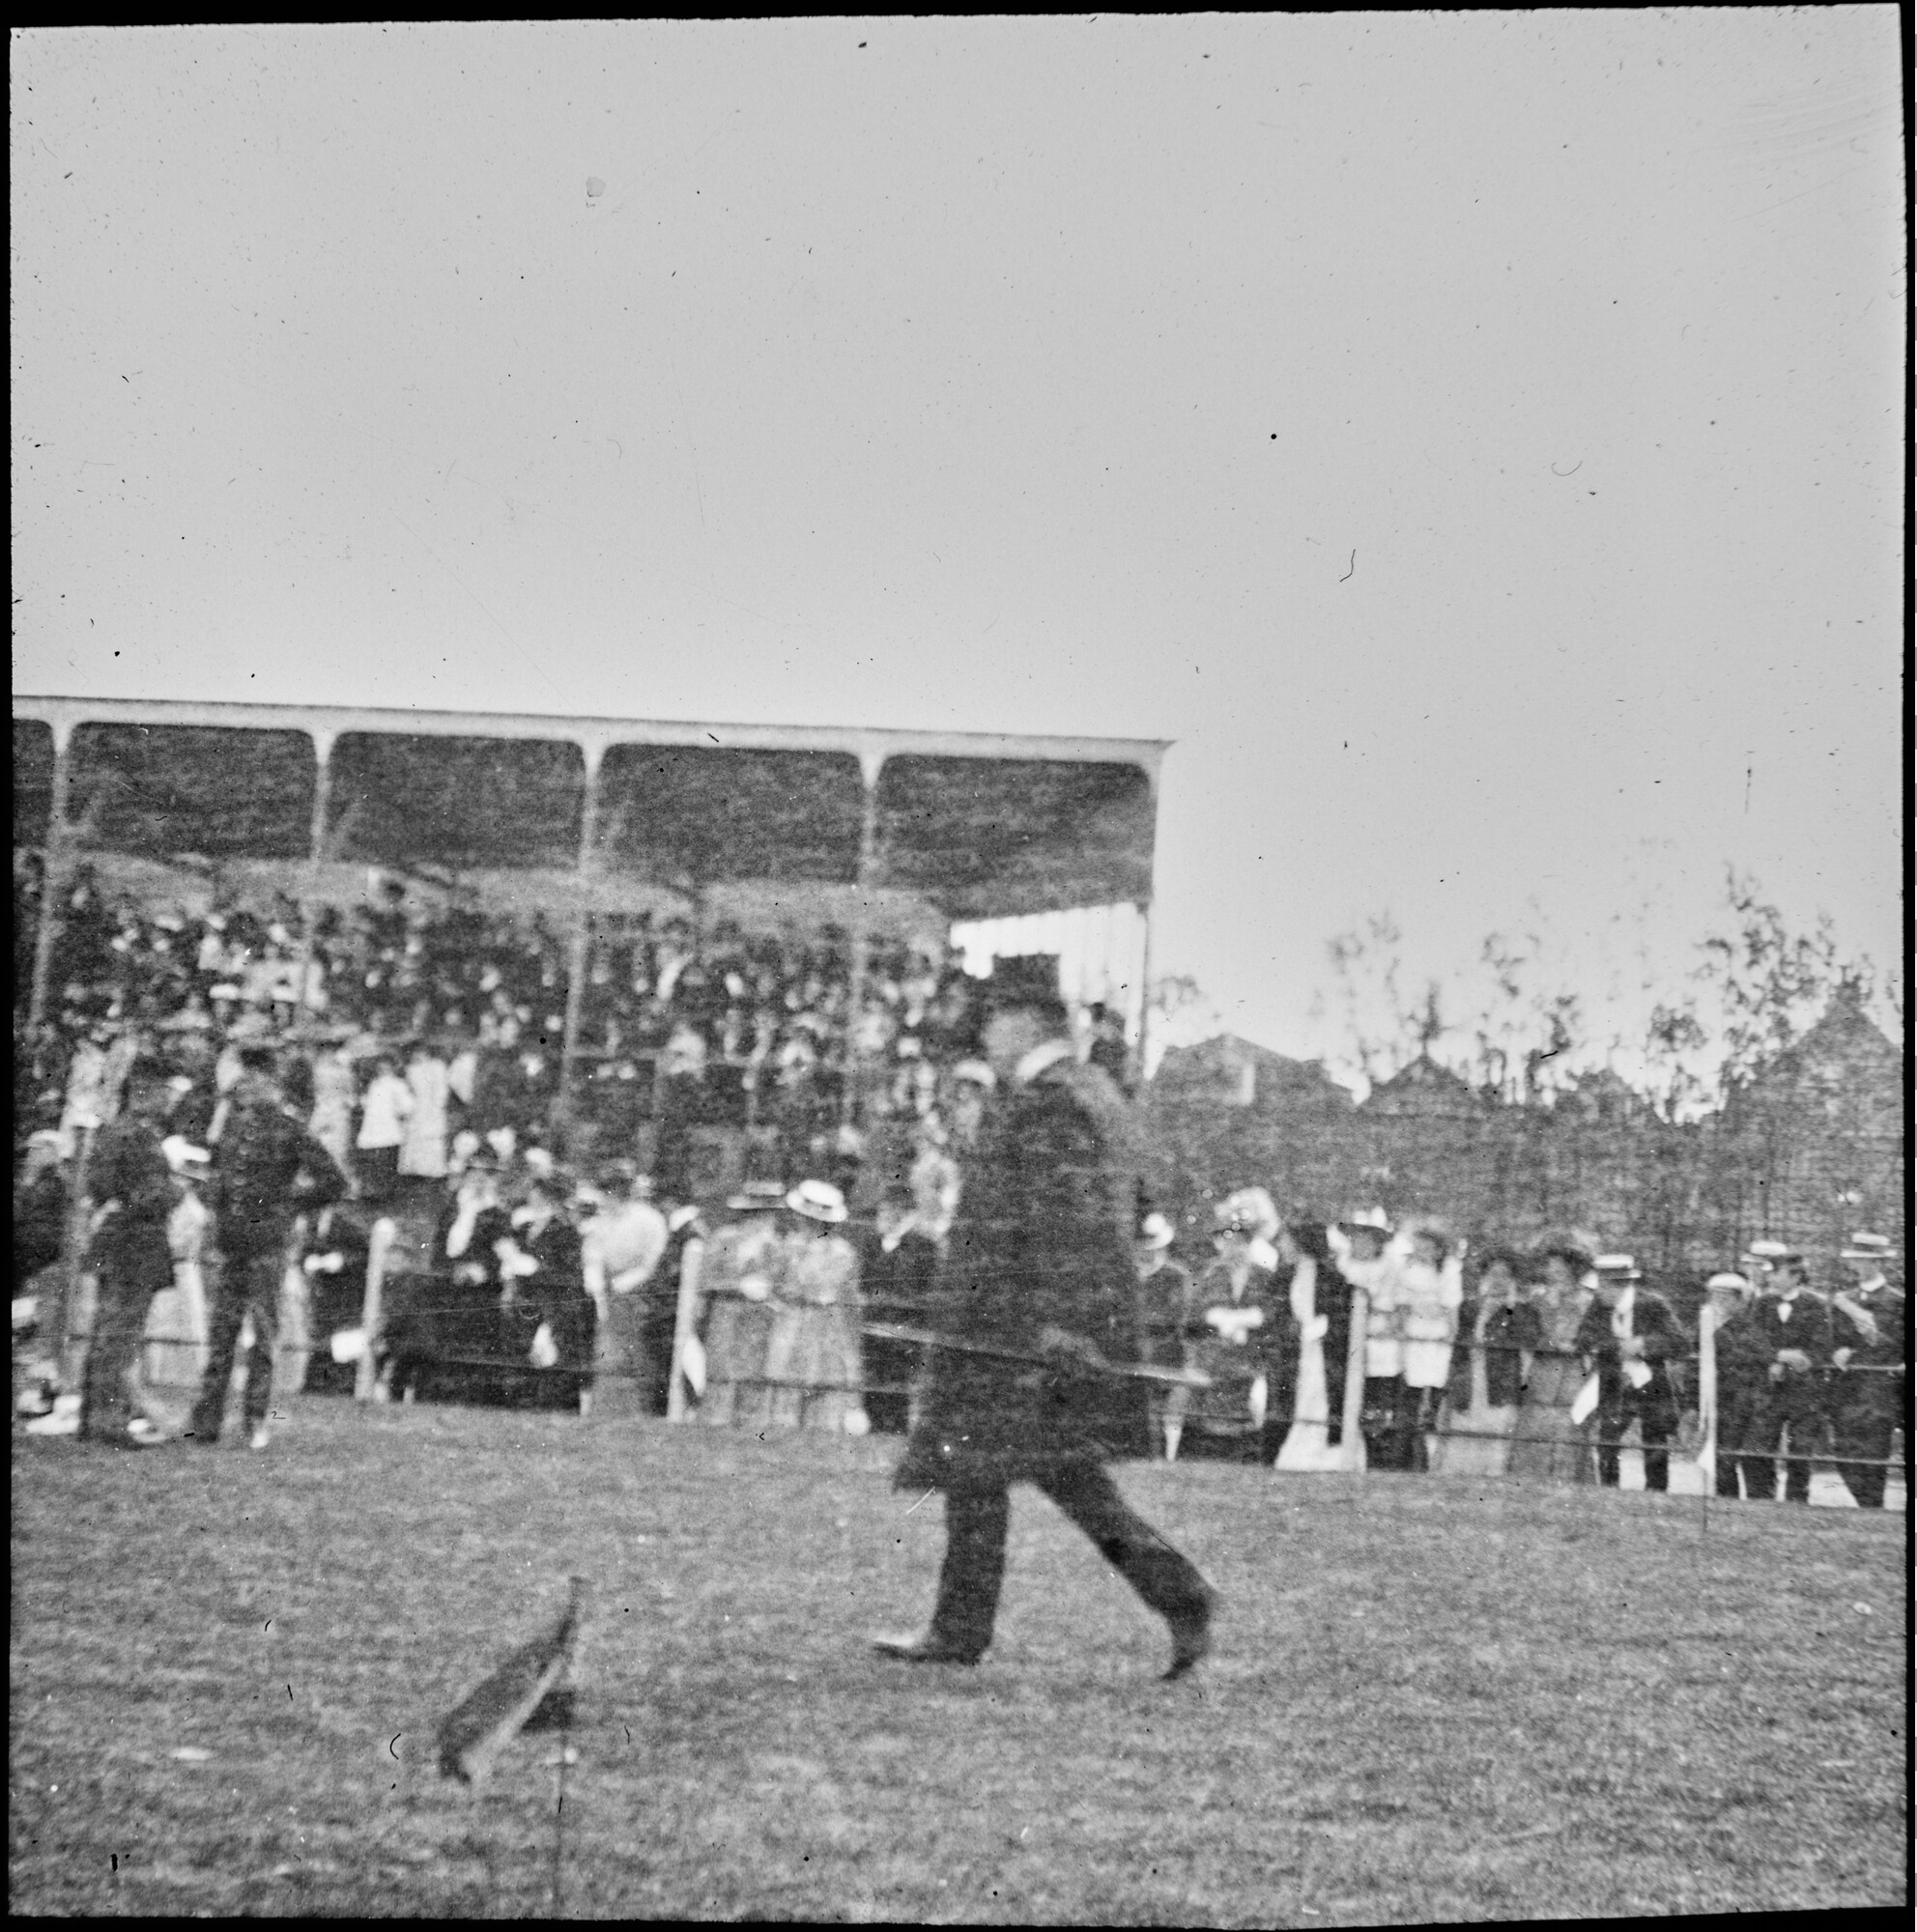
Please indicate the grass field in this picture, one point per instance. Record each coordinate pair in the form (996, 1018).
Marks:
(1430, 1699)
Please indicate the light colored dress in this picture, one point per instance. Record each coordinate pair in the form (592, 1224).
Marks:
(335, 1090)
(812, 1358)
(1307, 1444)
(423, 1150)
(1547, 1445)
(735, 1278)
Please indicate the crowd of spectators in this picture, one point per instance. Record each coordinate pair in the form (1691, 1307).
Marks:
(1533, 1363)
(676, 1029)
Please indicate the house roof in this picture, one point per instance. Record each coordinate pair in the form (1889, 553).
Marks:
(1420, 1087)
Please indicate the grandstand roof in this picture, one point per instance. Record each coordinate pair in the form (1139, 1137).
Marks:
(983, 824)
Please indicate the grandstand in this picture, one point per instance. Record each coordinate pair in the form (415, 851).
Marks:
(998, 843)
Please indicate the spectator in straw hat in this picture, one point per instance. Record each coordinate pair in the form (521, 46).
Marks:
(735, 1313)
(1784, 1348)
(1238, 1331)
(812, 1355)
(1631, 1336)
(1360, 1245)
(1868, 1386)
(1430, 1292)
(1726, 1404)
(1165, 1291)
(1547, 1445)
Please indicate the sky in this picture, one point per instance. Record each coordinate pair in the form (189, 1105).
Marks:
(1475, 442)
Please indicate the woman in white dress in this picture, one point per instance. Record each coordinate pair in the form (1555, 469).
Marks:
(422, 1153)
(812, 1361)
(335, 1091)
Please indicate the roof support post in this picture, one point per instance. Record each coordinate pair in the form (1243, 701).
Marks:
(581, 950)
(870, 765)
(1144, 995)
(316, 853)
(55, 867)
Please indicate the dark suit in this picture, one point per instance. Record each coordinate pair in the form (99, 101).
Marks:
(267, 1170)
(1653, 1407)
(133, 1262)
(1783, 1399)
(895, 1283)
(1222, 1413)
(1042, 1238)
(1867, 1395)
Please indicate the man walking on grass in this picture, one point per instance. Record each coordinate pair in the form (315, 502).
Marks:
(1038, 1269)
(267, 1168)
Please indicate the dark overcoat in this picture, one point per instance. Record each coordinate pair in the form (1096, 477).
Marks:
(1042, 1238)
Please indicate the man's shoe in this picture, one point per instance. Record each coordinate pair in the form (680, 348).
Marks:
(924, 1648)
(1190, 1638)
(261, 1436)
(143, 1432)
(63, 1419)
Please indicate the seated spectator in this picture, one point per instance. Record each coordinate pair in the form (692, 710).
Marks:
(813, 1354)
(1498, 1335)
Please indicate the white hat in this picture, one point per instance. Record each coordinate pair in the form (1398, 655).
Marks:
(1735, 1284)
(1768, 1254)
(1621, 1267)
(818, 1201)
(1155, 1231)
(1866, 1248)
(975, 1072)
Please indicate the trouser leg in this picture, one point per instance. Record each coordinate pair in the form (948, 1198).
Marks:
(1863, 1438)
(1611, 1427)
(1803, 1440)
(976, 1521)
(262, 1280)
(119, 1321)
(224, 1321)
(1657, 1454)
(1167, 1581)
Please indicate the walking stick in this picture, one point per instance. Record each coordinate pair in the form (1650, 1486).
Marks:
(1143, 1372)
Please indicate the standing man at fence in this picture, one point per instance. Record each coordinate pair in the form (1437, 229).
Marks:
(1727, 1399)
(1785, 1340)
(1039, 1266)
(1868, 1382)
(1632, 1337)
(267, 1168)
(132, 1185)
